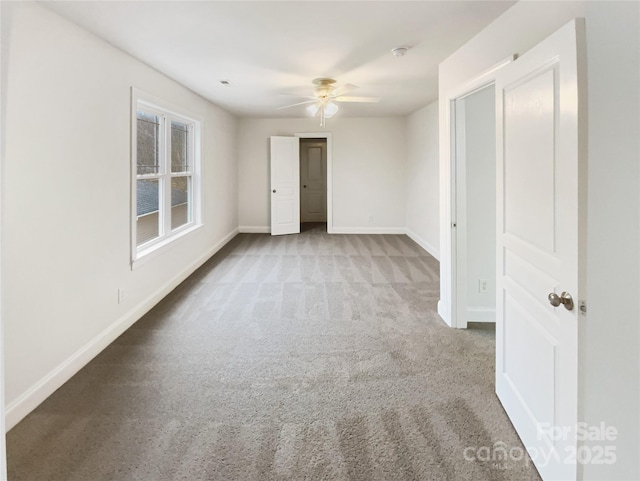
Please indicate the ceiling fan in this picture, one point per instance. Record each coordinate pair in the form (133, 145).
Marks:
(324, 98)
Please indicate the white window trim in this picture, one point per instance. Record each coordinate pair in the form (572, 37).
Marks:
(149, 250)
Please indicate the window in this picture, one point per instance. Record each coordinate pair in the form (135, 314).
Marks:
(166, 176)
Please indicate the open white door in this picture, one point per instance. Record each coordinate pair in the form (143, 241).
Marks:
(285, 185)
(540, 205)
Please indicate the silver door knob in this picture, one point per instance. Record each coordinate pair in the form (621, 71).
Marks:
(565, 299)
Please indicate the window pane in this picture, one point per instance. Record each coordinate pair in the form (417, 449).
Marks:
(180, 201)
(147, 224)
(179, 147)
(148, 128)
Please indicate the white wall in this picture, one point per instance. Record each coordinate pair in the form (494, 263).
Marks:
(516, 31)
(66, 204)
(480, 201)
(610, 337)
(422, 189)
(368, 171)
(3, 81)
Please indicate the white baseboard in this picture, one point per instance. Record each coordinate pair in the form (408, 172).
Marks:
(254, 229)
(368, 230)
(34, 396)
(481, 314)
(445, 316)
(424, 244)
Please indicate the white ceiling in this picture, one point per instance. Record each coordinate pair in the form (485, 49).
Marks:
(265, 48)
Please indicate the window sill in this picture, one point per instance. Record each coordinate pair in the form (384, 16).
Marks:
(145, 255)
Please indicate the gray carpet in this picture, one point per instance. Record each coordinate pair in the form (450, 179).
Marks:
(310, 357)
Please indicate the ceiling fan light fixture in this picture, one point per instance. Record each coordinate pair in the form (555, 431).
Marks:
(313, 109)
(324, 101)
(330, 109)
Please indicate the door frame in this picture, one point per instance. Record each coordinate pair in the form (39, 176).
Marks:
(451, 297)
(305, 145)
(327, 136)
(459, 233)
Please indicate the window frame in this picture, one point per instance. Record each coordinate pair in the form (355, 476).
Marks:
(167, 113)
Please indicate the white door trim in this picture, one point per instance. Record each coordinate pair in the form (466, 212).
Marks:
(325, 135)
(449, 255)
(311, 187)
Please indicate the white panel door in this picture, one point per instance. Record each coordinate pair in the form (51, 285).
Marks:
(540, 207)
(285, 185)
(313, 177)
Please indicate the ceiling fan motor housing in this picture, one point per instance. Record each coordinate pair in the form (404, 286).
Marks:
(324, 86)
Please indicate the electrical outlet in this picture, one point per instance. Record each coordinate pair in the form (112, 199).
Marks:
(120, 295)
(483, 286)
(370, 218)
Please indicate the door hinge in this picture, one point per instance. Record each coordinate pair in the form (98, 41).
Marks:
(582, 307)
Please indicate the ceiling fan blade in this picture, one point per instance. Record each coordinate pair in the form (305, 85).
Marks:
(343, 90)
(299, 103)
(299, 96)
(372, 100)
